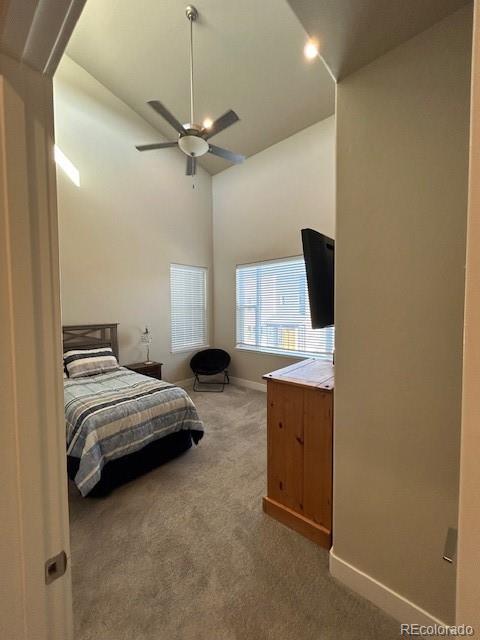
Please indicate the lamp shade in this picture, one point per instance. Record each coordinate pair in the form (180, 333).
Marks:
(146, 336)
(193, 145)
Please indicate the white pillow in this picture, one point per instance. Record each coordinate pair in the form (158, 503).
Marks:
(89, 362)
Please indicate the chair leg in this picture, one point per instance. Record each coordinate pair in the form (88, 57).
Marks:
(226, 379)
(197, 382)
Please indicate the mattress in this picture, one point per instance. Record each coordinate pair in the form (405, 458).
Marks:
(115, 414)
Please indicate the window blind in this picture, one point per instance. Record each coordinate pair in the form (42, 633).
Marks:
(188, 295)
(273, 312)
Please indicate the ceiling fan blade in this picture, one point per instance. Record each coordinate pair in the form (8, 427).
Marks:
(165, 113)
(221, 123)
(191, 166)
(156, 145)
(236, 158)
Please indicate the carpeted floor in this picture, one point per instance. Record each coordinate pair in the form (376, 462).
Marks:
(186, 553)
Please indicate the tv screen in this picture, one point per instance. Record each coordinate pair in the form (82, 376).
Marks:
(319, 253)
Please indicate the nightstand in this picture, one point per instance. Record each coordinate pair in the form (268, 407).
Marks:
(153, 369)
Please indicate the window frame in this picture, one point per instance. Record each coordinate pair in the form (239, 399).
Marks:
(296, 355)
(206, 344)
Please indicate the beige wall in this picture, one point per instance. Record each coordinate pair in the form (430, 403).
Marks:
(258, 210)
(468, 589)
(133, 214)
(402, 167)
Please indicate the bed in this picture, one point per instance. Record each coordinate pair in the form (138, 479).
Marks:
(120, 424)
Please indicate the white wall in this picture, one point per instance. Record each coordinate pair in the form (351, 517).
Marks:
(402, 169)
(258, 210)
(133, 214)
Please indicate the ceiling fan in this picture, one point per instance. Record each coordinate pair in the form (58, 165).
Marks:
(193, 139)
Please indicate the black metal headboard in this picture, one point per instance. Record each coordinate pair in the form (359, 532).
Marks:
(90, 336)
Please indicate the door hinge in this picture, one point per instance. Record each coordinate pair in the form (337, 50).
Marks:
(55, 567)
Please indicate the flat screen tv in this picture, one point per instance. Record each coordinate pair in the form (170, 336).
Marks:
(319, 253)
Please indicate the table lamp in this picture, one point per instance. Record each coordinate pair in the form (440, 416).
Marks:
(146, 338)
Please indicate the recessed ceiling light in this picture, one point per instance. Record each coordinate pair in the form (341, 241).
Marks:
(310, 50)
(207, 123)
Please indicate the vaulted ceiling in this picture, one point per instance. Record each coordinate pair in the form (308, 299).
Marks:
(352, 33)
(248, 54)
(248, 57)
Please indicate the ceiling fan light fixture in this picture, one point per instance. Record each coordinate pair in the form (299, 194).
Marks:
(193, 138)
(193, 146)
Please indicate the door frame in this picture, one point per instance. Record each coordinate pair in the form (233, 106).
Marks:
(468, 562)
(34, 507)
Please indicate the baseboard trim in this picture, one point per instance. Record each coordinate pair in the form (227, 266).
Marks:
(379, 594)
(249, 384)
(188, 382)
(241, 382)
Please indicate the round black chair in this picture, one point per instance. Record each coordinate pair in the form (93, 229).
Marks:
(210, 362)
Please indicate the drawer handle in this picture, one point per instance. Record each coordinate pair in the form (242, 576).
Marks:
(299, 440)
(280, 425)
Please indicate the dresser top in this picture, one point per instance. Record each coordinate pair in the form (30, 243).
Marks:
(317, 374)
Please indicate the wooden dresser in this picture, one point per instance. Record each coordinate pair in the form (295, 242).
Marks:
(300, 448)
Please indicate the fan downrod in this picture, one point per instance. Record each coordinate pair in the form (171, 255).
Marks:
(193, 138)
(191, 13)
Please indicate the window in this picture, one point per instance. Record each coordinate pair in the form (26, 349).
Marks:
(188, 295)
(273, 313)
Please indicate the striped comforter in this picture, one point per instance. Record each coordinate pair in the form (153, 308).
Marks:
(113, 414)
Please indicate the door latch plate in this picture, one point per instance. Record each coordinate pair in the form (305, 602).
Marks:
(55, 567)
